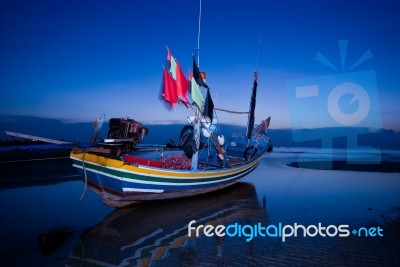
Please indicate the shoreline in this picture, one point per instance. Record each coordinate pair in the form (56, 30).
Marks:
(342, 165)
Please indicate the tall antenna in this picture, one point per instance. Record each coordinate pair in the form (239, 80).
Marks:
(198, 37)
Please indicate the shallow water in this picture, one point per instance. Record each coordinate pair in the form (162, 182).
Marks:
(49, 226)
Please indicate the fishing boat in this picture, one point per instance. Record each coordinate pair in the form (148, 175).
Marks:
(123, 171)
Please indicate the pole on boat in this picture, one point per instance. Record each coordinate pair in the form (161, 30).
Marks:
(198, 38)
(197, 125)
(250, 122)
(251, 118)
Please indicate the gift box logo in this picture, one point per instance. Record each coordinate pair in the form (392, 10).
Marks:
(343, 104)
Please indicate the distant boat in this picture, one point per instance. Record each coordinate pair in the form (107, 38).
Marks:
(123, 172)
(29, 160)
(25, 147)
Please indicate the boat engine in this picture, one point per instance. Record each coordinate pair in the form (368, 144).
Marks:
(120, 128)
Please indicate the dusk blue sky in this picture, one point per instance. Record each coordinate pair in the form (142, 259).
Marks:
(74, 60)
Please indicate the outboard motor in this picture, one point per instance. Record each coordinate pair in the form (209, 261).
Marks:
(120, 128)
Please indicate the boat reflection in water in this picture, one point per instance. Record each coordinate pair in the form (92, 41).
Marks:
(158, 231)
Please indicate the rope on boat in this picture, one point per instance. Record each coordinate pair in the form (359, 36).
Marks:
(86, 180)
(232, 111)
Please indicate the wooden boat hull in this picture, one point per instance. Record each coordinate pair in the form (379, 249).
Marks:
(120, 184)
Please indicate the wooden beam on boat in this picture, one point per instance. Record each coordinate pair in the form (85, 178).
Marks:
(117, 140)
(101, 150)
(145, 147)
(36, 138)
(96, 150)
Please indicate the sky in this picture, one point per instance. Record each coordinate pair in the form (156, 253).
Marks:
(75, 60)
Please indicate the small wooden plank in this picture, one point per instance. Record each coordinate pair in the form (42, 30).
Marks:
(234, 161)
(118, 140)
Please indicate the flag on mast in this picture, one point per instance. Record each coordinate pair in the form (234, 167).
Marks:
(169, 89)
(171, 64)
(195, 92)
(175, 85)
(182, 86)
(209, 106)
(197, 75)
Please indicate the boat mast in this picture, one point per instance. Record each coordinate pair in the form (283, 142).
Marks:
(198, 38)
(197, 126)
(250, 122)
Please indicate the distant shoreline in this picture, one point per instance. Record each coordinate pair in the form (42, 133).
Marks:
(162, 133)
(342, 165)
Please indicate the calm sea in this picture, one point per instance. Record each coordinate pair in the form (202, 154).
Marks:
(48, 225)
